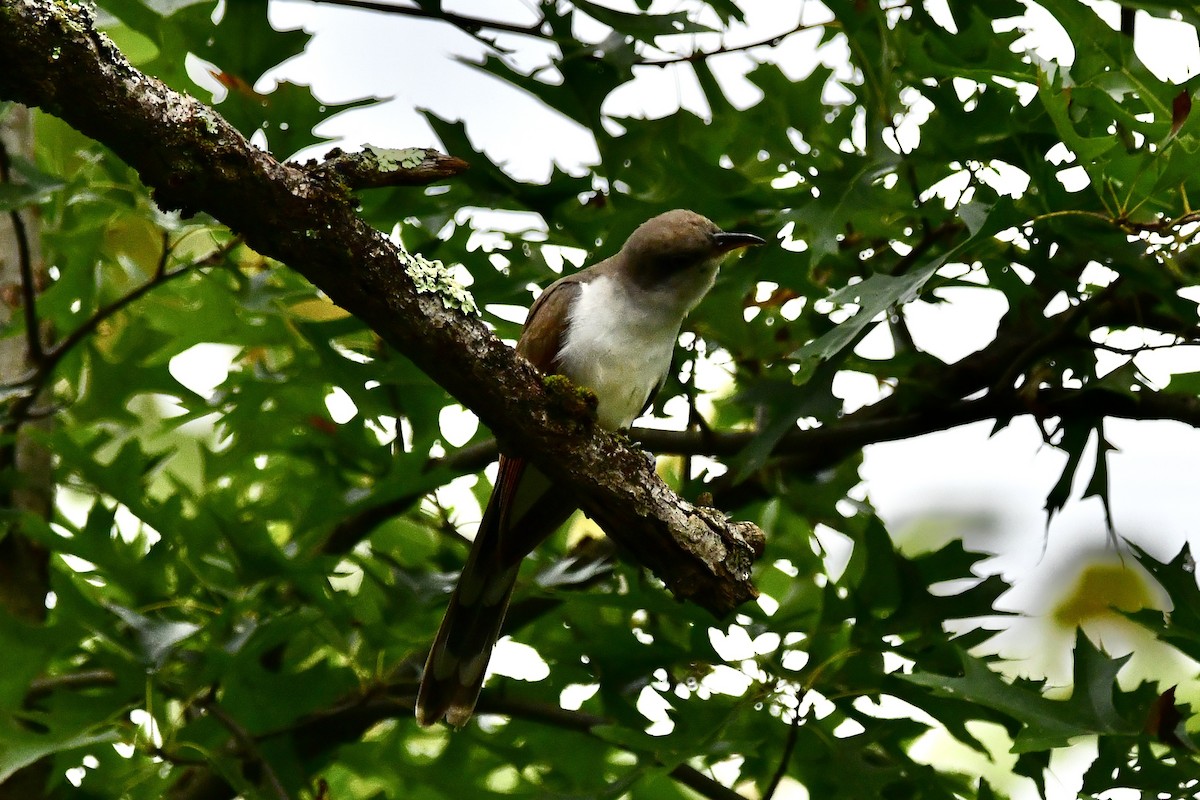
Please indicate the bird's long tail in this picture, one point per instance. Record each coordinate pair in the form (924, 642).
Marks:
(525, 508)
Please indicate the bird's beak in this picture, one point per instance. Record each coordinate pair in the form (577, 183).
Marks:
(727, 242)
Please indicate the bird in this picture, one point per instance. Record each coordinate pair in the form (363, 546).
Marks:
(611, 328)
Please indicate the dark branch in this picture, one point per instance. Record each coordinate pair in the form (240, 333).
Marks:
(33, 335)
(1161, 225)
(471, 25)
(702, 55)
(703, 785)
(346, 723)
(910, 414)
(73, 681)
(816, 449)
(21, 408)
(789, 746)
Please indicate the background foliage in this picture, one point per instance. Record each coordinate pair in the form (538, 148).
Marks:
(242, 586)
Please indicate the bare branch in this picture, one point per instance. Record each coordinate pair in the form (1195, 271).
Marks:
(789, 746)
(347, 720)
(469, 24)
(702, 55)
(1161, 225)
(249, 745)
(815, 449)
(74, 681)
(33, 334)
(474, 26)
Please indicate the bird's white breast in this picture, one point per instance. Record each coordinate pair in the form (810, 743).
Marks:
(619, 346)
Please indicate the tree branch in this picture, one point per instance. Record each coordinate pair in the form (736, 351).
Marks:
(51, 56)
(892, 419)
(84, 679)
(824, 447)
(702, 55)
(26, 465)
(471, 25)
(582, 722)
(327, 730)
(785, 759)
(347, 720)
(474, 25)
(33, 335)
(249, 745)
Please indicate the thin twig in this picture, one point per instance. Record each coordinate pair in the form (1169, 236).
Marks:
(584, 723)
(703, 785)
(471, 25)
(249, 745)
(84, 679)
(1146, 348)
(102, 314)
(702, 55)
(1064, 323)
(788, 747)
(21, 408)
(1163, 224)
(164, 256)
(1122, 221)
(33, 335)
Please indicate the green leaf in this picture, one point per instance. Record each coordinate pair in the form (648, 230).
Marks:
(157, 639)
(22, 747)
(1056, 98)
(1044, 723)
(27, 652)
(645, 27)
(879, 293)
(30, 187)
(246, 46)
(872, 571)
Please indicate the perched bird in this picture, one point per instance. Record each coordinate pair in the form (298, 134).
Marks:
(611, 328)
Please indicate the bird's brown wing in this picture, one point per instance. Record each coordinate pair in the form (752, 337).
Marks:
(540, 343)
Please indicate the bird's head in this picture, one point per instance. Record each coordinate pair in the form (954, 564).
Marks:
(679, 251)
